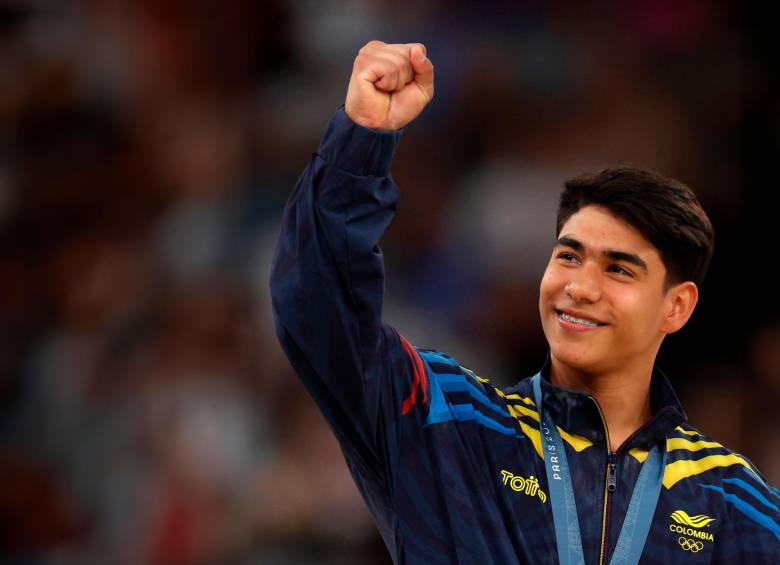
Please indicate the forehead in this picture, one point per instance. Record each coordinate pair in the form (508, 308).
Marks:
(599, 230)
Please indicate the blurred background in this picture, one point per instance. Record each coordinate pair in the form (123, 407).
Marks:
(147, 148)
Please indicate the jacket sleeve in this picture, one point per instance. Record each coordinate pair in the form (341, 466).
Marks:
(327, 288)
(750, 516)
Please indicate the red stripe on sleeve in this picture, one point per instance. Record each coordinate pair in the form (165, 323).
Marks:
(420, 378)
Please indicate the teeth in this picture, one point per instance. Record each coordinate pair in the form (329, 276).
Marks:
(574, 320)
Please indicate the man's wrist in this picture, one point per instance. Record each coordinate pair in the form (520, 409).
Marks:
(357, 149)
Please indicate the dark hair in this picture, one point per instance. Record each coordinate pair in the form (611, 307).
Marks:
(665, 211)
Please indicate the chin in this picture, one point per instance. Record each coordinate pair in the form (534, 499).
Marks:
(575, 357)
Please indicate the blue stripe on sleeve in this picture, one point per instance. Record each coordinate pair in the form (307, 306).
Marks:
(747, 509)
(754, 491)
(458, 383)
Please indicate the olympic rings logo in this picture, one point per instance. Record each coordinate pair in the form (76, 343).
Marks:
(690, 545)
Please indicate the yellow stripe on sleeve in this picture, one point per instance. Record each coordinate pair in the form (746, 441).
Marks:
(517, 411)
(523, 399)
(533, 435)
(682, 443)
(577, 442)
(685, 468)
(687, 432)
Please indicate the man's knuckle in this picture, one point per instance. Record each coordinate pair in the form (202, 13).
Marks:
(367, 59)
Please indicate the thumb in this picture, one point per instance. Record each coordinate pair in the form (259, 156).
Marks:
(423, 69)
(418, 53)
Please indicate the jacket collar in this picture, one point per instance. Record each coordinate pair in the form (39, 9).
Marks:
(576, 411)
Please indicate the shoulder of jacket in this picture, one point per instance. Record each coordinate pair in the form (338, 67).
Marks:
(695, 456)
(687, 445)
(453, 377)
(690, 449)
(442, 365)
(728, 484)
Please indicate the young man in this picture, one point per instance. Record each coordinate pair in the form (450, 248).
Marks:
(589, 461)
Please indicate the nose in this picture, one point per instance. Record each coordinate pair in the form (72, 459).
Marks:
(583, 286)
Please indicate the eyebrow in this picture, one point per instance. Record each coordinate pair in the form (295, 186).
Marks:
(614, 254)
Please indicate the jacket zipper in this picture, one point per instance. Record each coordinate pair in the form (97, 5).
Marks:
(611, 478)
(610, 483)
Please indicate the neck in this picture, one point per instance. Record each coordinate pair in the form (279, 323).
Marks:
(624, 397)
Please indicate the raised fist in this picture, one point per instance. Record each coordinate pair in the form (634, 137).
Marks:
(390, 85)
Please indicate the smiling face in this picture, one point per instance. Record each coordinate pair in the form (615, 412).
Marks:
(602, 301)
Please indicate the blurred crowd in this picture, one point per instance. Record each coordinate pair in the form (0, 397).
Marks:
(147, 413)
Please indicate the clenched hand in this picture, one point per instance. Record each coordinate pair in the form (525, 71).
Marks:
(390, 85)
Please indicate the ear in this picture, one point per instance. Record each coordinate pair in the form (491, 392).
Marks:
(679, 302)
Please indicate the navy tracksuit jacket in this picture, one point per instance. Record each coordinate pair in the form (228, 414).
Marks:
(449, 465)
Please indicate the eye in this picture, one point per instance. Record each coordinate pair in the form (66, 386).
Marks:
(568, 257)
(621, 270)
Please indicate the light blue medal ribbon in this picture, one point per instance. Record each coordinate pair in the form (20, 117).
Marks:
(641, 508)
(564, 507)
